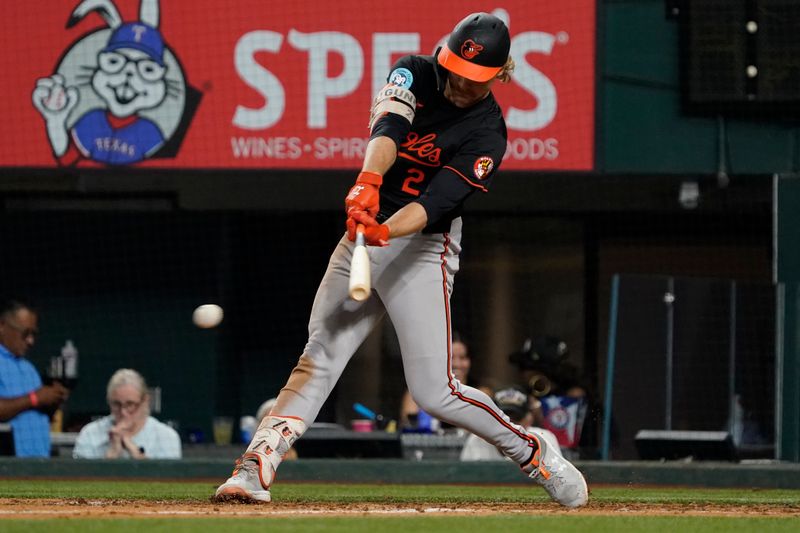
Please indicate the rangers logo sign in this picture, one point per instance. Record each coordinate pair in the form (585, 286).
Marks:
(119, 95)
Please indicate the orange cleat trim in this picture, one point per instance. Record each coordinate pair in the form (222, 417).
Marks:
(535, 460)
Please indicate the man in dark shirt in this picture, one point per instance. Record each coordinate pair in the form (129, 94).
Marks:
(437, 136)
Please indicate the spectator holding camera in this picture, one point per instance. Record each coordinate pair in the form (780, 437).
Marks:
(544, 368)
(25, 403)
(558, 393)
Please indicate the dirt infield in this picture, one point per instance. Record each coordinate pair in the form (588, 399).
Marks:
(11, 508)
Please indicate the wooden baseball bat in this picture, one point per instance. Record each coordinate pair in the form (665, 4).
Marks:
(360, 284)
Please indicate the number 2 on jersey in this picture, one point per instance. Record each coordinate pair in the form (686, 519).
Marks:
(414, 176)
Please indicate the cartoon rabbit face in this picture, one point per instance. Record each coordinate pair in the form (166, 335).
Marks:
(130, 70)
(125, 72)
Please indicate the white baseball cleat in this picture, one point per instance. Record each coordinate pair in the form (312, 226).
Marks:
(562, 481)
(249, 482)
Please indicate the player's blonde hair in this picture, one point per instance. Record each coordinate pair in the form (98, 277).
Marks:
(505, 73)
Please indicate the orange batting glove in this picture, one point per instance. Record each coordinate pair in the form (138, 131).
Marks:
(364, 194)
(374, 234)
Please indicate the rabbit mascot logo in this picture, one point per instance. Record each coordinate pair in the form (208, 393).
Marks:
(119, 95)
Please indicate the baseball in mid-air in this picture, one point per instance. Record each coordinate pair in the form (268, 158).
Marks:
(207, 316)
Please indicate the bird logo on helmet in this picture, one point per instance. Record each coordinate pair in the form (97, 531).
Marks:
(477, 49)
(470, 49)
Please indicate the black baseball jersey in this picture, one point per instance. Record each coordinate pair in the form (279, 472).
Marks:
(446, 153)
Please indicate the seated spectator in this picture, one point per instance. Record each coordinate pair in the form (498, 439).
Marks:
(24, 403)
(515, 404)
(129, 431)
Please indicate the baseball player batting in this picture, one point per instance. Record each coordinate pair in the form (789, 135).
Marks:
(437, 136)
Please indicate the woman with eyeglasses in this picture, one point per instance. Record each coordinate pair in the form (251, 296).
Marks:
(129, 431)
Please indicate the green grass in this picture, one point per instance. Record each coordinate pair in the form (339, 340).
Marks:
(428, 495)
